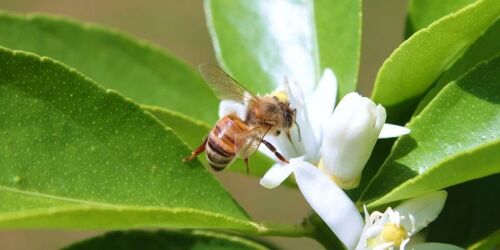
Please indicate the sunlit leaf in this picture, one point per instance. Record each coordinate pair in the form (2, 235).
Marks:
(420, 60)
(139, 70)
(421, 13)
(485, 47)
(75, 155)
(456, 138)
(262, 42)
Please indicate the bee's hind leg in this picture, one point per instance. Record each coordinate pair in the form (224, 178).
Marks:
(197, 151)
(273, 149)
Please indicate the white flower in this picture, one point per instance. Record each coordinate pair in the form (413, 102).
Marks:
(340, 141)
(357, 121)
(394, 228)
(389, 230)
(352, 132)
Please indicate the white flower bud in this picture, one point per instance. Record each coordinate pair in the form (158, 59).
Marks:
(349, 137)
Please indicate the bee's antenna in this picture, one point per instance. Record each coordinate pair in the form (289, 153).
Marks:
(300, 136)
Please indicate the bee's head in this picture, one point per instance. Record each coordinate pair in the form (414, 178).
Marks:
(289, 114)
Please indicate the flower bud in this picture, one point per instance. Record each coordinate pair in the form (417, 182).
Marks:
(349, 137)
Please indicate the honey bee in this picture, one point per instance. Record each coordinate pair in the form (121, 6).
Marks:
(232, 137)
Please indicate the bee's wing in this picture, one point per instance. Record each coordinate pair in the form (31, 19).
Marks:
(250, 141)
(224, 86)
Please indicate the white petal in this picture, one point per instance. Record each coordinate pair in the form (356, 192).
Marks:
(276, 175)
(435, 246)
(391, 130)
(307, 144)
(322, 101)
(381, 116)
(228, 106)
(424, 209)
(329, 202)
(350, 135)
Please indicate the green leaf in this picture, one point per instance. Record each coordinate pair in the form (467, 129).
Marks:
(487, 243)
(470, 213)
(421, 13)
(322, 233)
(197, 239)
(190, 130)
(262, 42)
(418, 62)
(74, 155)
(456, 138)
(338, 27)
(485, 47)
(193, 132)
(135, 68)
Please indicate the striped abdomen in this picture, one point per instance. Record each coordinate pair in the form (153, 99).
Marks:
(223, 141)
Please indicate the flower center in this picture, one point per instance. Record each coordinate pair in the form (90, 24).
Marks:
(393, 233)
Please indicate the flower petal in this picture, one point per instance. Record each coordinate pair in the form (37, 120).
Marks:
(391, 130)
(349, 138)
(321, 103)
(329, 202)
(276, 175)
(227, 107)
(306, 143)
(420, 211)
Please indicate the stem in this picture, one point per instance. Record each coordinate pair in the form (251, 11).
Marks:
(322, 233)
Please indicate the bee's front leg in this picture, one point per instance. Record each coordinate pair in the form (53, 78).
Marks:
(273, 149)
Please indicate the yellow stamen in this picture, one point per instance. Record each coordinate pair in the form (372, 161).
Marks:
(393, 233)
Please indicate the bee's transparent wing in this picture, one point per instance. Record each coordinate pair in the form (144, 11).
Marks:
(224, 86)
(251, 140)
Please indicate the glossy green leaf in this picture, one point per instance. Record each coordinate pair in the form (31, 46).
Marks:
(456, 138)
(421, 13)
(338, 27)
(485, 47)
(262, 42)
(192, 131)
(418, 62)
(167, 240)
(135, 68)
(465, 218)
(74, 155)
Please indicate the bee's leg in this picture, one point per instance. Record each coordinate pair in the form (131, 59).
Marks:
(197, 151)
(273, 149)
(246, 165)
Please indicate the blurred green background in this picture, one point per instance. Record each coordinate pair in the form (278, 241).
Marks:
(179, 27)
